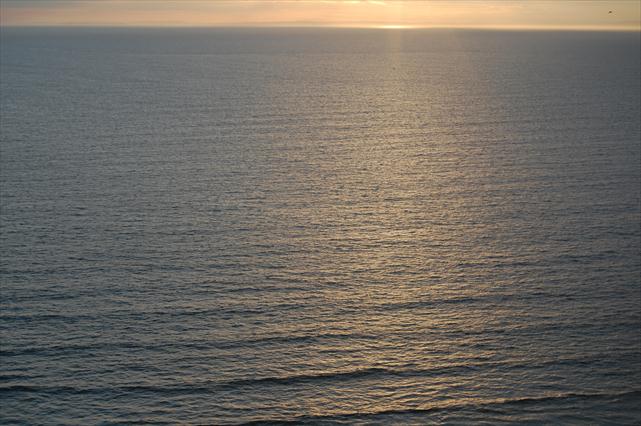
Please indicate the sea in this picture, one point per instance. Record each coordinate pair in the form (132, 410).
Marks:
(319, 226)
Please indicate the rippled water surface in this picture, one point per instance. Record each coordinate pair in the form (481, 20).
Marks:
(350, 226)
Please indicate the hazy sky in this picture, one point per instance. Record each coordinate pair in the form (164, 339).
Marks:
(360, 13)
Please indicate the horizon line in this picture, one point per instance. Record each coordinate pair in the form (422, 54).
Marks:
(579, 28)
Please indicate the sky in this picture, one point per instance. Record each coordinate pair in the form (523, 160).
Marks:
(534, 14)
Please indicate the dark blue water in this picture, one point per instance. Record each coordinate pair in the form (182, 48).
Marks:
(341, 226)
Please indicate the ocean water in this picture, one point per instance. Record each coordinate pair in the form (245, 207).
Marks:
(322, 226)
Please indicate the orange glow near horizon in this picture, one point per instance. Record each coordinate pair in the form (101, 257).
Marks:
(391, 14)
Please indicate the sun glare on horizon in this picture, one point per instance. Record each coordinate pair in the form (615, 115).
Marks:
(395, 27)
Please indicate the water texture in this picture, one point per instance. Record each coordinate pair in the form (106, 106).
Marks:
(329, 226)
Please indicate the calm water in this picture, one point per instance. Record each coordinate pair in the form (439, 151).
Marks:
(341, 226)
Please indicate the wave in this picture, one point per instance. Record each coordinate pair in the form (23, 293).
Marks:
(191, 345)
(498, 406)
(469, 367)
(212, 387)
(371, 372)
(495, 406)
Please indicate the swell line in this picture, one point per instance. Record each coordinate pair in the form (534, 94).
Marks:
(480, 407)
(212, 387)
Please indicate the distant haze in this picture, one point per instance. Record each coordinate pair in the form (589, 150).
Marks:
(617, 15)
